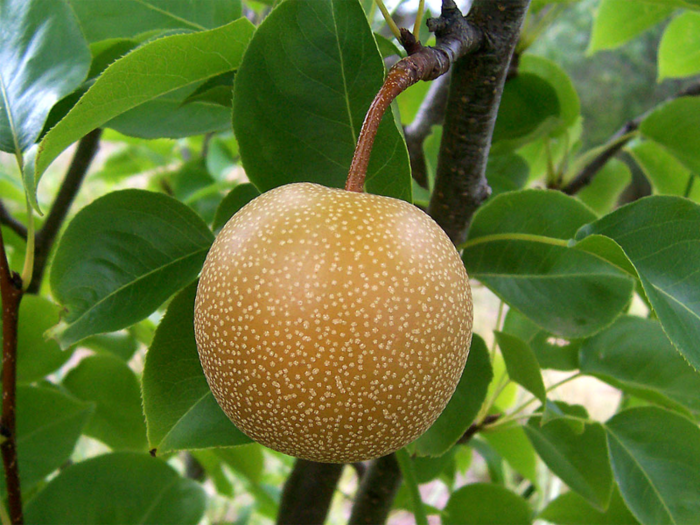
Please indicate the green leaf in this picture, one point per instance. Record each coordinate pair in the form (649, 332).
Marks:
(49, 424)
(169, 117)
(190, 59)
(486, 504)
(661, 237)
(529, 109)
(181, 412)
(572, 509)
(518, 247)
(408, 473)
(124, 487)
(513, 446)
(37, 356)
(297, 113)
(43, 57)
(580, 459)
(216, 90)
(119, 344)
(464, 405)
(112, 387)
(427, 468)
(246, 460)
(102, 19)
(506, 173)
(234, 201)
(214, 470)
(674, 125)
(569, 103)
(602, 194)
(655, 455)
(618, 21)
(679, 50)
(551, 352)
(636, 356)
(522, 364)
(667, 175)
(121, 257)
(193, 185)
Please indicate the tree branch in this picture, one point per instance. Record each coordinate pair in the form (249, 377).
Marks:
(454, 37)
(84, 154)
(11, 293)
(308, 493)
(8, 220)
(616, 143)
(431, 113)
(475, 95)
(377, 491)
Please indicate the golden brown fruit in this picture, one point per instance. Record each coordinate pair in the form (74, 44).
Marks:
(332, 325)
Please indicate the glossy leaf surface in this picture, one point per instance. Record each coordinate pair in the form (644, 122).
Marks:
(122, 257)
(679, 50)
(486, 504)
(181, 412)
(43, 57)
(301, 94)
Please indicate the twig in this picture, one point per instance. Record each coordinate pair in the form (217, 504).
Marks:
(85, 152)
(475, 428)
(616, 143)
(8, 220)
(11, 291)
(430, 113)
(455, 38)
(475, 95)
(308, 493)
(377, 491)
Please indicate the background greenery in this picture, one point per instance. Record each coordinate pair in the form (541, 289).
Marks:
(204, 107)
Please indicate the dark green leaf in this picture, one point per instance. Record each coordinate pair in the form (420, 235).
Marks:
(246, 460)
(181, 412)
(190, 59)
(49, 424)
(674, 125)
(518, 247)
(618, 21)
(234, 201)
(572, 509)
(529, 108)
(216, 90)
(169, 117)
(37, 356)
(551, 352)
(43, 57)
(122, 257)
(569, 104)
(667, 175)
(522, 364)
(486, 504)
(579, 459)
(661, 237)
(635, 355)
(103, 19)
(124, 487)
(494, 461)
(119, 344)
(428, 469)
(506, 173)
(297, 113)
(679, 50)
(655, 455)
(213, 468)
(193, 185)
(464, 405)
(112, 387)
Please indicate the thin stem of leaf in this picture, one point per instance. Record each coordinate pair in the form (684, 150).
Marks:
(389, 21)
(548, 390)
(419, 19)
(28, 270)
(689, 186)
(409, 473)
(513, 237)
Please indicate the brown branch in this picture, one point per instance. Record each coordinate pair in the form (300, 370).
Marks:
(430, 113)
(454, 38)
(616, 143)
(475, 95)
(11, 292)
(377, 491)
(475, 428)
(308, 493)
(84, 154)
(8, 220)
